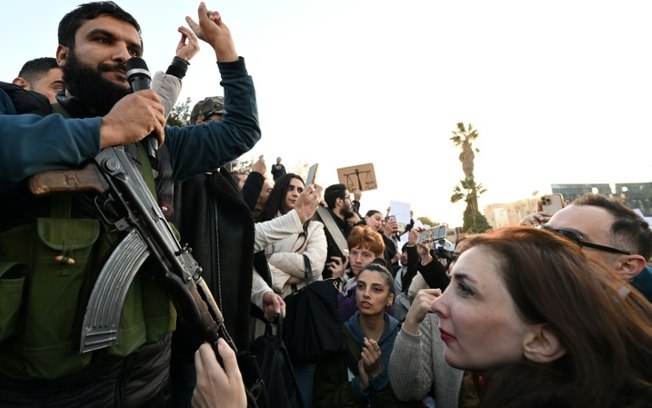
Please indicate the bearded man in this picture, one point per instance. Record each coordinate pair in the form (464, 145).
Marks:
(41, 295)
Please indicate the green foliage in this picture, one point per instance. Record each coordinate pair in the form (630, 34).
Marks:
(474, 222)
(457, 194)
(464, 135)
(180, 114)
(467, 190)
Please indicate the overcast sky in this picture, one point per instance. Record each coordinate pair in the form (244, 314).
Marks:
(559, 90)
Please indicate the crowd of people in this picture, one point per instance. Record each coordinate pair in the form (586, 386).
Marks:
(555, 312)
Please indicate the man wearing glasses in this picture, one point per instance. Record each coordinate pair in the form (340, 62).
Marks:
(339, 209)
(607, 229)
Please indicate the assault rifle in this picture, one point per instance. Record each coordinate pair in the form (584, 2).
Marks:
(125, 202)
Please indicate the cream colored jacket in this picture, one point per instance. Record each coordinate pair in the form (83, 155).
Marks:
(285, 257)
(268, 233)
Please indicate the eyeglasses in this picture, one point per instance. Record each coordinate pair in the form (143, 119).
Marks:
(577, 238)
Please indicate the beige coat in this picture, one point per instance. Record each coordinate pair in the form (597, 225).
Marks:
(285, 257)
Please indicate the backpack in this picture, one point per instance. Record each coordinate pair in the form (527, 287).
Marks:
(274, 366)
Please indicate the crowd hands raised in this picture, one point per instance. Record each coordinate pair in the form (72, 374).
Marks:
(557, 315)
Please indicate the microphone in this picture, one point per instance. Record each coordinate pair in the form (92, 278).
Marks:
(139, 78)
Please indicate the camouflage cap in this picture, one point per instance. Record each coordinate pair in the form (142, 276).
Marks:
(213, 105)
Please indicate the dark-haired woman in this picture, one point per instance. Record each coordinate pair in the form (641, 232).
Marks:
(286, 257)
(357, 377)
(539, 324)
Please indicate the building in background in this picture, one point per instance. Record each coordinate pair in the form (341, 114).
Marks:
(635, 196)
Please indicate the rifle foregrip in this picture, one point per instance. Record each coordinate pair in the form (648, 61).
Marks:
(87, 178)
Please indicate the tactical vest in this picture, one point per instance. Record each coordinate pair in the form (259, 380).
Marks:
(47, 270)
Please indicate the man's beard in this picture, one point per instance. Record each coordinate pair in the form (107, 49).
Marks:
(347, 212)
(89, 86)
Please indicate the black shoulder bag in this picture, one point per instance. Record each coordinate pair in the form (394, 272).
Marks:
(312, 327)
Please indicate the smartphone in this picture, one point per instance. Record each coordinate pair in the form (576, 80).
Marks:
(394, 230)
(432, 234)
(312, 174)
(552, 203)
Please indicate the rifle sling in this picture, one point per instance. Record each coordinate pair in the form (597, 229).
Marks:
(334, 230)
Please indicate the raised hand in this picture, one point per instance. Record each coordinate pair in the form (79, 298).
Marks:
(337, 266)
(188, 45)
(259, 166)
(421, 306)
(369, 365)
(307, 202)
(212, 30)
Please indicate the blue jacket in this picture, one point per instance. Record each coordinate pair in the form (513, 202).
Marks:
(643, 282)
(30, 144)
(386, 343)
(337, 383)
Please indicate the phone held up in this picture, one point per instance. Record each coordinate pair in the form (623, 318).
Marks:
(432, 234)
(312, 174)
(552, 203)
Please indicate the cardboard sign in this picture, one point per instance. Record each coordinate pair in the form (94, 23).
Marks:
(361, 177)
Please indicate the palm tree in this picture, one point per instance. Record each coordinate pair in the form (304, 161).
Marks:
(463, 138)
(468, 190)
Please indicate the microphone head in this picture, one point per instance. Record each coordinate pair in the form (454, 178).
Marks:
(136, 67)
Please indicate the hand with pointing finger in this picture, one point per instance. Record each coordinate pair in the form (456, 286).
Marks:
(212, 30)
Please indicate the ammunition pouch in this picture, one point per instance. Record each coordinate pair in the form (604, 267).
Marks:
(46, 271)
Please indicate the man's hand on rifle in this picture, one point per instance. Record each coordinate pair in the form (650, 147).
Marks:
(133, 118)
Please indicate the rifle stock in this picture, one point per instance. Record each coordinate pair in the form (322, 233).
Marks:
(88, 178)
(127, 204)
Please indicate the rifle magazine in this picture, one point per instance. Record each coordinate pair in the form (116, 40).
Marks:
(102, 316)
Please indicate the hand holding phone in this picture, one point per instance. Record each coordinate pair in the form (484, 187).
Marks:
(312, 174)
(391, 226)
(552, 203)
(432, 234)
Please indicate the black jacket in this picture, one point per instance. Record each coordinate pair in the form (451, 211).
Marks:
(216, 223)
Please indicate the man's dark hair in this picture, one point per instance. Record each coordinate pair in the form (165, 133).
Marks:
(34, 69)
(71, 22)
(332, 193)
(629, 230)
